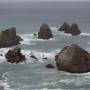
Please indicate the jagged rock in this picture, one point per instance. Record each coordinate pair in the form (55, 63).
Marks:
(50, 66)
(45, 32)
(9, 38)
(73, 59)
(64, 27)
(34, 57)
(73, 29)
(15, 56)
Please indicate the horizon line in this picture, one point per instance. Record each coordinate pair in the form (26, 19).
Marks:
(43, 1)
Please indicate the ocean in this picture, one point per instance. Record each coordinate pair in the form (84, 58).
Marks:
(27, 17)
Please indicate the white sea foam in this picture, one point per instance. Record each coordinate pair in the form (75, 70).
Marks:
(3, 51)
(4, 83)
(85, 34)
(39, 55)
(27, 38)
(54, 28)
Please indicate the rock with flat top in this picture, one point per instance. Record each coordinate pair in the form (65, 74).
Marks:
(9, 38)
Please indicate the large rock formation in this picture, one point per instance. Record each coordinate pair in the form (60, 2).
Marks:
(45, 32)
(15, 56)
(9, 38)
(73, 29)
(73, 59)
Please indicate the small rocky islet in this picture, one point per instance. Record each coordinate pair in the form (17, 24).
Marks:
(9, 38)
(73, 58)
(45, 32)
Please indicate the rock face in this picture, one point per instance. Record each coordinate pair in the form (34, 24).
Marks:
(73, 59)
(73, 29)
(45, 32)
(9, 38)
(15, 56)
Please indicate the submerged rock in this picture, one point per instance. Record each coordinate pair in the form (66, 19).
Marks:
(50, 66)
(45, 32)
(73, 29)
(35, 34)
(34, 57)
(15, 56)
(9, 38)
(73, 59)
(1, 54)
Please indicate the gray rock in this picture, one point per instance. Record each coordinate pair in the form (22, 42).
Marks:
(9, 38)
(34, 57)
(64, 27)
(45, 32)
(73, 29)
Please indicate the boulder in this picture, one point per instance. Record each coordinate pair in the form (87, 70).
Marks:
(73, 29)
(73, 59)
(15, 56)
(50, 66)
(45, 32)
(9, 38)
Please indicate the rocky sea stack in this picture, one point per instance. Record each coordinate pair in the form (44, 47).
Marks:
(9, 38)
(73, 59)
(15, 56)
(73, 29)
(45, 32)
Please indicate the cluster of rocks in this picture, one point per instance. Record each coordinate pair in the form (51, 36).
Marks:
(9, 38)
(46, 33)
(71, 58)
(73, 29)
